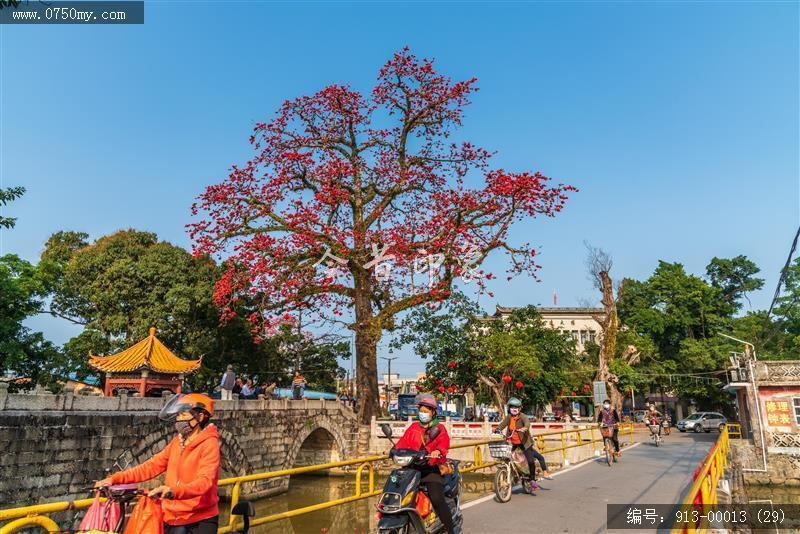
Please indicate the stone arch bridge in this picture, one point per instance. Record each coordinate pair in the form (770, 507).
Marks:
(54, 446)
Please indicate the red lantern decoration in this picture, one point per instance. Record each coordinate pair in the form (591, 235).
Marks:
(452, 364)
(438, 382)
(451, 389)
(574, 393)
(441, 389)
(519, 384)
(506, 378)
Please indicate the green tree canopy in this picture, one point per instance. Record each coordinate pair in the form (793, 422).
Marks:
(124, 283)
(465, 352)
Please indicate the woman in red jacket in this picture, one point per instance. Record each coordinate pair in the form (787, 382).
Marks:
(191, 461)
(432, 436)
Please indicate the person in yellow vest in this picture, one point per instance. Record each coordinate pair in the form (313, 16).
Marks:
(519, 433)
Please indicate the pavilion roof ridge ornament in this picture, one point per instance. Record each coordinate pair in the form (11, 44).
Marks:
(149, 353)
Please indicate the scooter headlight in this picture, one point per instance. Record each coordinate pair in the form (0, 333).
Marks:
(390, 502)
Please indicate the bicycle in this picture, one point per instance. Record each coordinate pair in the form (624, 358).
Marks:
(608, 443)
(510, 471)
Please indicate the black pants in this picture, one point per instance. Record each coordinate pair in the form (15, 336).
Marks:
(205, 526)
(434, 484)
(615, 439)
(531, 455)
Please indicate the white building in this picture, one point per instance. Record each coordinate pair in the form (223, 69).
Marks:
(582, 324)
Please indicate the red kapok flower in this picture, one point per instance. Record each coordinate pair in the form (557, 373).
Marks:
(519, 384)
(506, 378)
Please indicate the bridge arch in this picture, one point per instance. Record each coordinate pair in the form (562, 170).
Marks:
(318, 442)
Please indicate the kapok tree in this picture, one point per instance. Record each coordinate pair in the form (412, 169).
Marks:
(356, 207)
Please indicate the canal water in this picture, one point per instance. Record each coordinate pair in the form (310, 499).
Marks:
(353, 518)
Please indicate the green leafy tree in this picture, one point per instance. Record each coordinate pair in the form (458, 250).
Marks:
(23, 353)
(465, 352)
(734, 277)
(681, 315)
(123, 284)
(6, 196)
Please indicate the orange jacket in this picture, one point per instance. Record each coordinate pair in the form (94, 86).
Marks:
(191, 474)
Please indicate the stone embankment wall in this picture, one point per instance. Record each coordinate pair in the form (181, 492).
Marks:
(55, 446)
(782, 469)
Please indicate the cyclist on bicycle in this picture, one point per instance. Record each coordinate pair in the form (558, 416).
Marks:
(610, 418)
(519, 433)
(191, 461)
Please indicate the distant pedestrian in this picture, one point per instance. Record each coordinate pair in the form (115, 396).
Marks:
(247, 389)
(298, 385)
(237, 387)
(227, 383)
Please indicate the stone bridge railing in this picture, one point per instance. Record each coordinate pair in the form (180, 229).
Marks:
(56, 445)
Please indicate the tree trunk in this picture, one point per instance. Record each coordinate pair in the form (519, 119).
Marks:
(497, 390)
(368, 333)
(608, 346)
(367, 374)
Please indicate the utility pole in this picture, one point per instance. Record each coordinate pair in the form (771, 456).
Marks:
(388, 378)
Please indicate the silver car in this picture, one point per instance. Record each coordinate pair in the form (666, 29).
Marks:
(702, 421)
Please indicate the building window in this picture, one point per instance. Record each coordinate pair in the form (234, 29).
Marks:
(592, 336)
(796, 403)
(583, 337)
(574, 334)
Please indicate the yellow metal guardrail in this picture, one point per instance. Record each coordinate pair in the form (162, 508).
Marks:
(33, 515)
(703, 490)
(734, 430)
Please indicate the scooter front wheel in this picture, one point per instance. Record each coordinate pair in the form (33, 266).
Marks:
(502, 484)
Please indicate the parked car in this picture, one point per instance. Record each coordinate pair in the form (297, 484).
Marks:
(638, 415)
(702, 421)
(549, 418)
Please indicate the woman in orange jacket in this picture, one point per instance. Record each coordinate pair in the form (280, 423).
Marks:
(191, 461)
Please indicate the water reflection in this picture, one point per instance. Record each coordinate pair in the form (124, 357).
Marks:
(354, 518)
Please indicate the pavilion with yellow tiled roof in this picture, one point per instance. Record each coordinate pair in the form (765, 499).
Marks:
(148, 367)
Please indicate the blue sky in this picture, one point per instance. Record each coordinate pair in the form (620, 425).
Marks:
(677, 121)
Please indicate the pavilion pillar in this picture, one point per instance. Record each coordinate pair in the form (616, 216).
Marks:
(107, 385)
(143, 383)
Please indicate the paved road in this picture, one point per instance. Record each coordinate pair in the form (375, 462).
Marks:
(575, 501)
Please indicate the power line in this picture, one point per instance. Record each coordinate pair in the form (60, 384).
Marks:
(784, 273)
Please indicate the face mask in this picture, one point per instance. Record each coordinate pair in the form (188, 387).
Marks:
(424, 417)
(184, 428)
(514, 411)
(606, 406)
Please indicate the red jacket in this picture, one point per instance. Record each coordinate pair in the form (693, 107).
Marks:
(415, 438)
(191, 474)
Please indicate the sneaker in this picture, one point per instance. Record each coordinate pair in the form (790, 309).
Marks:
(534, 487)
